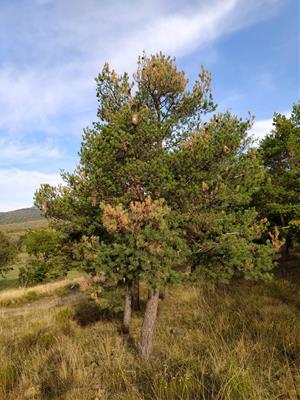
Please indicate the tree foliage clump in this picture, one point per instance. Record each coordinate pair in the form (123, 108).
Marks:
(279, 197)
(8, 252)
(123, 157)
(144, 244)
(217, 172)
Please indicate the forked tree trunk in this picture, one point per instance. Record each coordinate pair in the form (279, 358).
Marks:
(135, 295)
(127, 313)
(147, 332)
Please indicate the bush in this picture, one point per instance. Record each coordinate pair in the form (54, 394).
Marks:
(46, 261)
(86, 313)
(35, 272)
(8, 252)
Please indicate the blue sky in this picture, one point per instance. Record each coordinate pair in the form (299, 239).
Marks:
(51, 50)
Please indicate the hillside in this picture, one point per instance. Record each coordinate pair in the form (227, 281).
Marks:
(22, 215)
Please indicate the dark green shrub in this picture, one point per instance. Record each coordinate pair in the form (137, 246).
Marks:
(8, 252)
(87, 312)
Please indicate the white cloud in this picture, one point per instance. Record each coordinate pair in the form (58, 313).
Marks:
(33, 98)
(263, 127)
(176, 34)
(17, 187)
(63, 44)
(13, 150)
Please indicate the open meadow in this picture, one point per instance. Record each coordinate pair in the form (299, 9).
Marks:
(240, 341)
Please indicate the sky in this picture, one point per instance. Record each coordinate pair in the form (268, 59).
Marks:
(51, 51)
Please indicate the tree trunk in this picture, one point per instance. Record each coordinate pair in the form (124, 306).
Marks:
(285, 249)
(289, 244)
(147, 332)
(135, 295)
(127, 313)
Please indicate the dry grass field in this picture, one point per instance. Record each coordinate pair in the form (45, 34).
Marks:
(234, 342)
(17, 229)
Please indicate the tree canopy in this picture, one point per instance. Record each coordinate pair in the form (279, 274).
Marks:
(279, 196)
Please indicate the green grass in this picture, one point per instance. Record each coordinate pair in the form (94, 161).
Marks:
(10, 280)
(237, 342)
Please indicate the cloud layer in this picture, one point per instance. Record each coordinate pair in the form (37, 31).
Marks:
(52, 49)
(70, 40)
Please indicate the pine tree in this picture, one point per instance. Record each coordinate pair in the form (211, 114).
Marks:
(152, 176)
(123, 157)
(279, 198)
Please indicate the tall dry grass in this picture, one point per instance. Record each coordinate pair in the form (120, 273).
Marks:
(18, 295)
(238, 342)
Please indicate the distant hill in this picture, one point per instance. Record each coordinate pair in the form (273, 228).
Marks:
(22, 215)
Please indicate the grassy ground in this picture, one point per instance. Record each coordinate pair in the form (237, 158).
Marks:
(12, 297)
(10, 280)
(235, 342)
(17, 229)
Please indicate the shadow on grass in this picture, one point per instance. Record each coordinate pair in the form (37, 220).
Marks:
(9, 283)
(88, 312)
